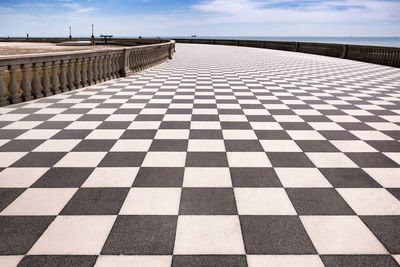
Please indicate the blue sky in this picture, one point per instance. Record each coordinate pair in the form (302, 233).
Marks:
(201, 17)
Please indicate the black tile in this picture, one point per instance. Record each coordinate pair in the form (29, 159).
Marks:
(139, 134)
(338, 135)
(355, 126)
(159, 177)
(21, 145)
(272, 135)
(114, 125)
(206, 134)
(358, 261)
(145, 117)
(316, 146)
(207, 201)
(94, 145)
(318, 201)
(53, 125)
(39, 159)
(92, 117)
(57, 260)
(395, 192)
(141, 235)
(63, 178)
(96, 201)
(371, 160)
(206, 159)
(235, 125)
(387, 229)
(243, 145)
(275, 235)
(289, 159)
(169, 145)
(385, 146)
(72, 134)
(295, 126)
(8, 195)
(254, 177)
(123, 159)
(19, 233)
(209, 260)
(349, 177)
(175, 125)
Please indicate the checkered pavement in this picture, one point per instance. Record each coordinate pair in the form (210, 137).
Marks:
(224, 156)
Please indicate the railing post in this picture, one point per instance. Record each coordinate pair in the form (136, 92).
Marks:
(95, 70)
(63, 76)
(55, 81)
(89, 71)
(70, 75)
(3, 100)
(124, 68)
(78, 73)
(296, 46)
(45, 80)
(26, 83)
(13, 85)
(344, 53)
(36, 83)
(84, 72)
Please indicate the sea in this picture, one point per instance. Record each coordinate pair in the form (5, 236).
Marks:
(372, 41)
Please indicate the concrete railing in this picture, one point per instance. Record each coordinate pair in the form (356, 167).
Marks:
(33, 76)
(388, 56)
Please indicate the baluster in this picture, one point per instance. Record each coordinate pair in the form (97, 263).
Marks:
(63, 76)
(108, 67)
(45, 79)
(90, 71)
(112, 69)
(103, 68)
(116, 66)
(70, 75)
(26, 83)
(13, 86)
(78, 79)
(100, 68)
(36, 83)
(84, 72)
(3, 100)
(95, 70)
(55, 81)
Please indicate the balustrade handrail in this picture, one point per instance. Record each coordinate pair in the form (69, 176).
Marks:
(388, 56)
(25, 77)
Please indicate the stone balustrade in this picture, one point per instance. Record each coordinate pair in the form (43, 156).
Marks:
(26, 77)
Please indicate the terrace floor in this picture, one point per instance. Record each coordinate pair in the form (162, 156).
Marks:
(224, 156)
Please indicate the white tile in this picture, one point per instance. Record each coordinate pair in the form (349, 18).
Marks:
(65, 117)
(81, 159)
(207, 177)
(204, 145)
(341, 235)
(10, 261)
(263, 201)
(22, 125)
(305, 135)
(142, 261)
(228, 117)
(74, 235)
(342, 118)
(172, 134)
(284, 261)
(302, 177)
(8, 158)
(248, 159)
(239, 135)
(57, 145)
(40, 201)
(265, 125)
(111, 177)
(83, 125)
(384, 126)
(353, 146)
(38, 134)
(288, 118)
(131, 145)
(20, 177)
(280, 146)
(204, 125)
(121, 117)
(386, 177)
(105, 134)
(208, 235)
(326, 126)
(370, 201)
(152, 201)
(144, 125)
(397, 258)
(371, 135)
(393, 156)
(331, 160)
(177, 117)
(164, 159)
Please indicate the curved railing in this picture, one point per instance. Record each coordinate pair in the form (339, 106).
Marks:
(388, 56)
(26, 77)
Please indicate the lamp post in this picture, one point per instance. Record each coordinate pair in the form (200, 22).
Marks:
(70, 33)
(92, 37)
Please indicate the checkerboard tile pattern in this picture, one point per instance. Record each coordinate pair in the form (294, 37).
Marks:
(224, 156)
